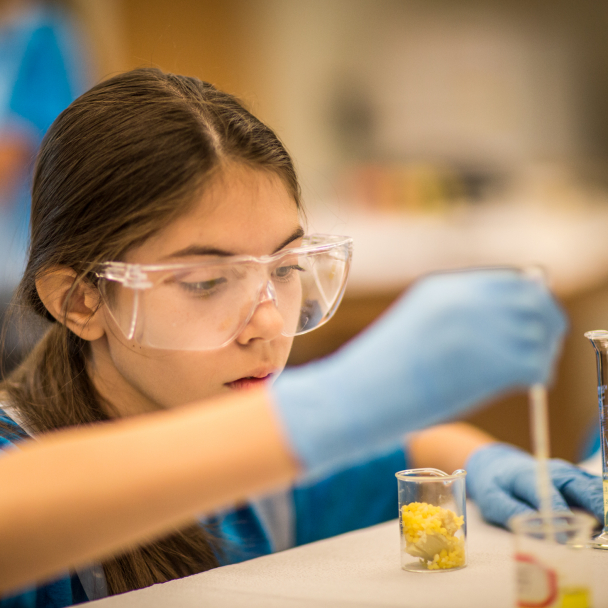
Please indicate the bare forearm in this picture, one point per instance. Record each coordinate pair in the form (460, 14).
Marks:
(447, 446)
(80, 495)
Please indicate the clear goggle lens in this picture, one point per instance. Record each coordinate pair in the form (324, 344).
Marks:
(204, 306)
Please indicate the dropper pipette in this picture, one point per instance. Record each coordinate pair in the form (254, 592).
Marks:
(539, 423)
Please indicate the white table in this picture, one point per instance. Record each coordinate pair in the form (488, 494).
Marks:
(356, 569)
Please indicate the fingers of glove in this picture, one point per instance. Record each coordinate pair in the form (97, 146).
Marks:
(492, 465)
(579, 488)
(502, 309)
(530, 356)
(551, 313)
(515, 473)
(543, 326)
(508, 287)
(461, 292)
(525, 488)
(474, 315)
(498, 507)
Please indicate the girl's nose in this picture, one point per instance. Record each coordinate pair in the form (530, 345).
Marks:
(266, 323)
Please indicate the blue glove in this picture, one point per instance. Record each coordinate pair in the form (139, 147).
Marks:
(501, 479)
(452, 342)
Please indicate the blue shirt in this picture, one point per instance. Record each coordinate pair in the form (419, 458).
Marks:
(357, 497)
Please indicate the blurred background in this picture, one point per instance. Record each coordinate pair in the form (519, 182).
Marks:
(438, 134)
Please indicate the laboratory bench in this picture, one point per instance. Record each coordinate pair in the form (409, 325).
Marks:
(358, 569)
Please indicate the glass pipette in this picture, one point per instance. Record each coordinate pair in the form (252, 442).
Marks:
(539, 423)
(539, 427)
(599, 340)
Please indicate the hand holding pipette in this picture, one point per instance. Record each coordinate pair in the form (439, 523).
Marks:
(454, 341)
(502, 480)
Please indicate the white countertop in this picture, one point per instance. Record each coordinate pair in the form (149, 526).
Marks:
(356, 569)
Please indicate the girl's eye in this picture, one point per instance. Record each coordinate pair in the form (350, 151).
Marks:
(282, 273)
(204, 288)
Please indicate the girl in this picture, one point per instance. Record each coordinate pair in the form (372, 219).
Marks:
(168, 256)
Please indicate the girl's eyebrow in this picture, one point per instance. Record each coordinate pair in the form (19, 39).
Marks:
(296, 234)
(202, 250)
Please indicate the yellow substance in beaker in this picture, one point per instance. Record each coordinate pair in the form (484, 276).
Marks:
(430, 534)
(574, 597)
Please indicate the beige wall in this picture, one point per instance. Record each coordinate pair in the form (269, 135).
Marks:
(475, 82)
(204, 38)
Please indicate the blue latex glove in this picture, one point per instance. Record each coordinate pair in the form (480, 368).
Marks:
(501, 479)
(452, 342)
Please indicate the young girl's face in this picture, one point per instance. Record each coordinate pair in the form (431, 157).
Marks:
(244, 211)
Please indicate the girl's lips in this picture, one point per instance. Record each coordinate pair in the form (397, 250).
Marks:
(245, 383)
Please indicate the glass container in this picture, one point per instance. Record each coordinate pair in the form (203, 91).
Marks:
(599, 340)
(553, 570)
(432, 520)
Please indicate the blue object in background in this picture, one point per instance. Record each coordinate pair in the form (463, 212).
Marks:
(41, 72)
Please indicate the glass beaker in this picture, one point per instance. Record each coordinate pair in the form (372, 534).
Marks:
(599, 340)
(432, 520)
(553, 572)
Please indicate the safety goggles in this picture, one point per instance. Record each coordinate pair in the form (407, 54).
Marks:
(206, 305)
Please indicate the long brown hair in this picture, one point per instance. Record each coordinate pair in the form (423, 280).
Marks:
(121, 162)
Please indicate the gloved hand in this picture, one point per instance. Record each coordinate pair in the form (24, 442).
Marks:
(501, 479)
(452, 342)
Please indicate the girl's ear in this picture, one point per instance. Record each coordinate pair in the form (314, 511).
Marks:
(79, 311)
